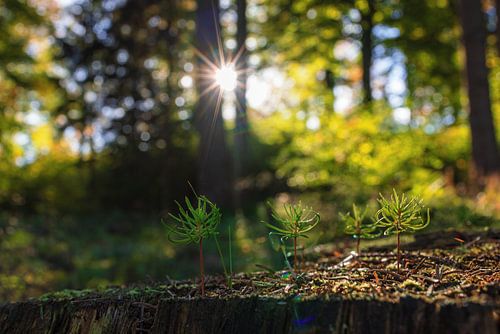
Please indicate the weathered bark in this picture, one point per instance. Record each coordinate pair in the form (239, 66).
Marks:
(484, 145)
(214, 160)
(247, 315)
(367, 50)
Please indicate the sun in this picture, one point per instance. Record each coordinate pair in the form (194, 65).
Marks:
(226, 77)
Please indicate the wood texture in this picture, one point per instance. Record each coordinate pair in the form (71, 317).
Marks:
(247, 315)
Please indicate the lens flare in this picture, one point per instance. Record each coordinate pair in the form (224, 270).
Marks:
(226, 77)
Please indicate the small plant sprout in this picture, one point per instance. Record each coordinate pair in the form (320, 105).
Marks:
(357, 227)
(400, 214)
(194, 224)
(227, 273)
(296, 222)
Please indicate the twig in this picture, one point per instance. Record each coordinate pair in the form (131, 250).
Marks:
(470, 243)
(418, 266)
(345, 261)
(451, 272)
(337, 278)
(428, 279)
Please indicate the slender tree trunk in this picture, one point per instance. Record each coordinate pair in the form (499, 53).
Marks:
(214, 170)
(484, 145)
(164, 120)
(242, 64)
(241, 128)
(367, 50)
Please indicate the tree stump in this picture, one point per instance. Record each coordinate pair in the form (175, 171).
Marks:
(248, 315)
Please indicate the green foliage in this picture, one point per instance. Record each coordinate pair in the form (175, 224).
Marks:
(25, 80)
(400, 214)
(356, 224)
(194, 223)
(296, 222)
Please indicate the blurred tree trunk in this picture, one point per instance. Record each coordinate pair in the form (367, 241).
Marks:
(241, 129)
(214, 173)
(166, 168)
(484, 145)
(367, 49)
(497, 5)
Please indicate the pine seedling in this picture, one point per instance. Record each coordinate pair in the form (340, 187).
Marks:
(194, 224)
(356, 226)
(400, 214)
(296, 222)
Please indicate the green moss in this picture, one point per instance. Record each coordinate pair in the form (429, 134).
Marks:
(412, 285)
(65, 295)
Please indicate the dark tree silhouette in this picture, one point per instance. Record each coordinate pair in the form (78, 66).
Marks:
(484, 146)
(214, 172)
(367, 49)
(241, 131)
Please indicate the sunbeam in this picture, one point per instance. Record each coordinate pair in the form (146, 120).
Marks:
(226, 77)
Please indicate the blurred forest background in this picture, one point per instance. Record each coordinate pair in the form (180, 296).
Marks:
(106, 113)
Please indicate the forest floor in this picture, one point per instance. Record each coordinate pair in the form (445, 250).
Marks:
(447, 268)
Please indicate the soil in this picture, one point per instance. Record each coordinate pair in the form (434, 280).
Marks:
(464, 271)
